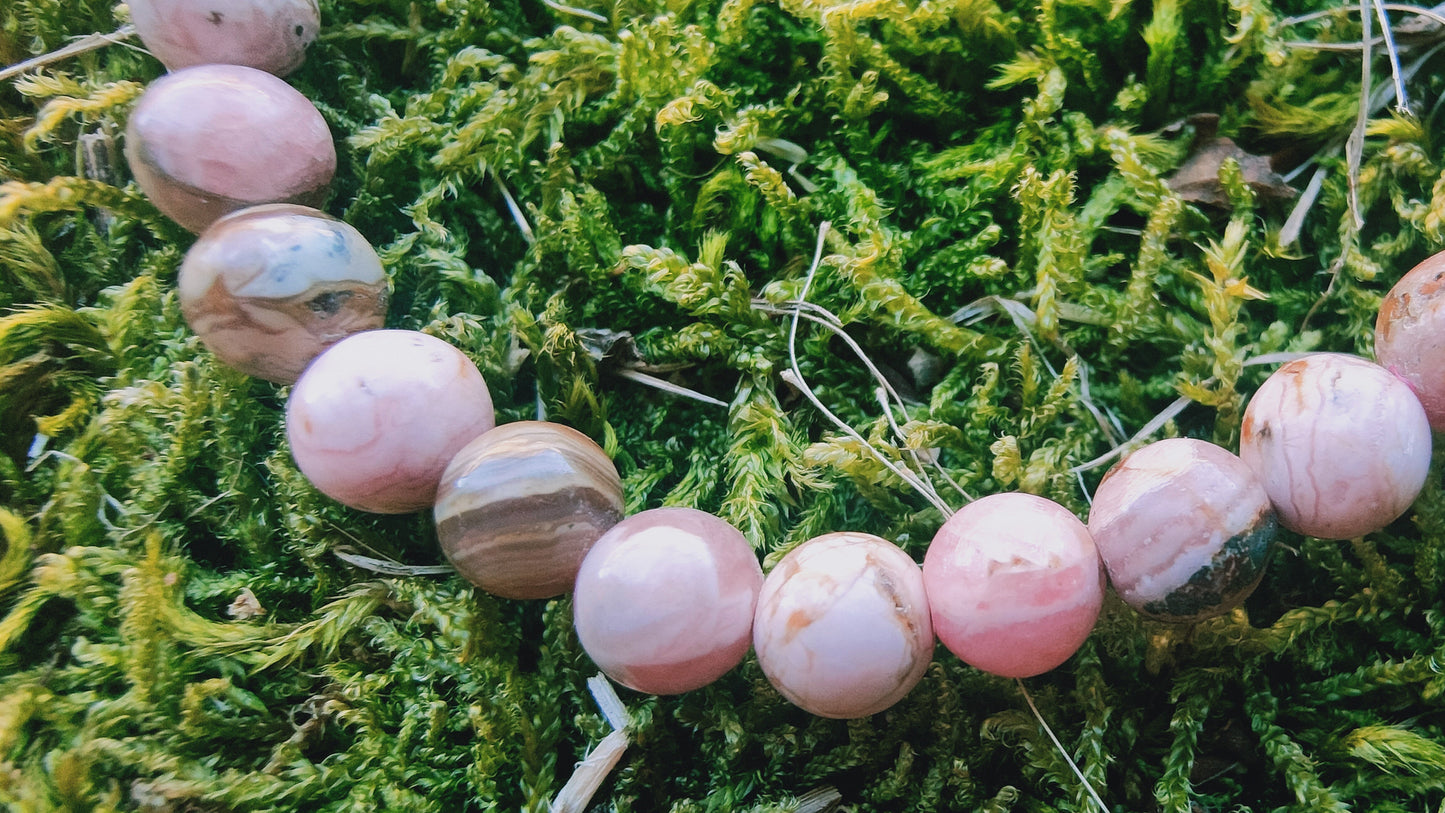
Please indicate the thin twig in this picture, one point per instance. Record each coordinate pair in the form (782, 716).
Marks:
(1355, 146)
(798, 381)
(90, 42)
(592, 771)
(1093, 794)
(668, 386)
(521, 219)
(1294, 224)
(1402, 103)
(575, 12)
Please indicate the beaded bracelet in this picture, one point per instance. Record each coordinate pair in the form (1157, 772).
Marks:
(669, 600)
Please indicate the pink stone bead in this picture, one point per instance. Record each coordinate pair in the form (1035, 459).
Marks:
(664, 601)
(1341, 445)
(206, 141)
(520, 506)
(1410, 335)
(270, 287)
(1184, 528)
(1015, 584)
(842, 627)
(374, 420)
(269, 35)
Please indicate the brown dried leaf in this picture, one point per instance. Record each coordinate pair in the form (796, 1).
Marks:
(1197, 179)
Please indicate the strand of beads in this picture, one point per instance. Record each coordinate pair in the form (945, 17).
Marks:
(669, 600)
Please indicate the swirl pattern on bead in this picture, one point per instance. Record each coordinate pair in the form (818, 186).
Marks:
(518, 508)
(269, 288)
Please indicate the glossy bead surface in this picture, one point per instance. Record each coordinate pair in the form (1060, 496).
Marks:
(842, 627)
(1341, 445)
(664, 600)
(205, 141)
(1184, 528)
(1015, 584)
(270, 287)
(520, 506)
(374, 420)
(269, 35)
(1410, 335)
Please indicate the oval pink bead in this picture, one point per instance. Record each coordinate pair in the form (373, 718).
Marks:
(1185, 529)
(1015, 584)
(1341, 445)
(374, 420)
(664, 601)
(842, 627)
(1410, 335)
(206, 141)
(521, 505)
(270, 287)
(269, 35)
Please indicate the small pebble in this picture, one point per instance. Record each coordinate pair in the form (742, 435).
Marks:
(205, 141)
(1185, 529)
(270, 287)
(1341, 445)
(664, 600)
(842, 627)
(374, 420)
(1410, 335)
(520, 506)
(1015, 584)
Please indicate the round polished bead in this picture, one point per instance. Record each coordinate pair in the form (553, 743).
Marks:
(1410, 335)
(1015, 584)
(1184, 528)
(269, 35)
(270, 287)
(1341, 445)
(206, 141)
(664, 600)
(842, 627)
(519, 507)
(374, 420)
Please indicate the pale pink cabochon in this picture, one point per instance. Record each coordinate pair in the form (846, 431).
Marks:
(269, 35)
(1015, 584)
(374, 420)
(842, 627)
(1341, 445)
(664, 601)
(206, 141)
(1410, 335)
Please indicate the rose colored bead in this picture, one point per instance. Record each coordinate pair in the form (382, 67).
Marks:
(269, 35)
(206, 141)
(1015, 584)
(1341, 445)
(1410, 335)
(270, 287)
(664, 601)
(842, 627)
(519, 506)
(1184, 528)
(374, 420)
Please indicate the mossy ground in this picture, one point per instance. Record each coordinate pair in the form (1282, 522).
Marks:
(673, 162)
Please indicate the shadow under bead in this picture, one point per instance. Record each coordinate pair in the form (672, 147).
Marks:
(519, 507)
(269, 288)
